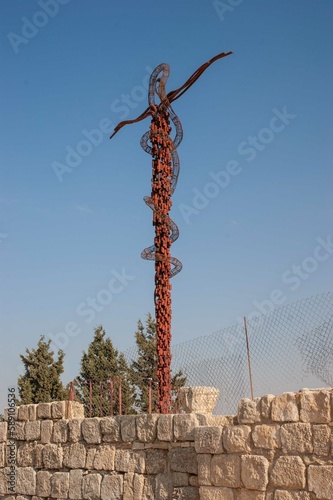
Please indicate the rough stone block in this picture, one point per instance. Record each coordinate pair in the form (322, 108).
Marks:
(25, 455)
(198, 399)
(296, 438)
(60, 485)
(74, 429)
(254, 472)
(32, 430)
(321, 481)
(20, 431)
(2, 454)
(156, 461)
(91, 452)
(284, 408)
(186, 493)
(226, 471)
(43, 486)
(183, 460)
(183, 427)
(165, 428)
(58, 409)
(130, 461)
(75, 484)
(266, 436)
(164, 487)
(104, 457)
(315, 406)
(251, 495)
(237, 438)
(23, 412)
(249, 411)
(289, 473)
(265, 406)
(291, 495)
(91, 430)
(208, 439)
(213, 493)
(60, 431)
(204, 467)
(74, 456)
(44, 411)
(3, 432)
(52, 456)
(112, 487)
(194, 481)
(91, 486)
(128, 428)
(180, 479)
(46, 428)
(74, 409)
(25, 481)
(146, 427)
(110, 428)
(321, 440)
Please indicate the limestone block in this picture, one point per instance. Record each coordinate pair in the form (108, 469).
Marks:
(43, 486)
(193, 481)
(180, 478)
(25, 481)
(164, 487)
(128, 428)
(74, 409)
(52, 456)
(20, 431)
(254, 472)
(208, 439)
(23, 412)
(266, 436)
(3, 432)
(32, 430)
(213, 493)
(11, 414)
(104, 457)
(58, 409)
(25, 455)
(146, 427)
(91, 452)
(3, 480)
(74, 429)
(296, 438)
(249, 411)
(91, 430)
(315, 406)
(198, 399)
(2, 454)
(138, 485)
(91, 486)
(237, 438)
(44, 411)
(60, 485)
(321, 481)
(75, 484)
(32, 411)
(112, 487)
(156, 461)
(265, 406)
(74, 456)
(251, 495)
(204, 468)
(46, 428)
(130, 461)
(226, 471)
(321, 440)
(291, 495)
(183, 427)
(60, 431)
(186, 493)
(288, 472)
(284, 408)
(165, 428)
(183, 460)
(149, 488)
(110, 428)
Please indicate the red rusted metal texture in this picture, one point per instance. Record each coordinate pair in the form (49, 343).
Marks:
(165, 170)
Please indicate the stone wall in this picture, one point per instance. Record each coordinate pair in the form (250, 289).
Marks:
(275, 448)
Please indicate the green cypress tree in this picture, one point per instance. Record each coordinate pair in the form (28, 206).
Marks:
(144, 368)
(41, 381)
(101, 366)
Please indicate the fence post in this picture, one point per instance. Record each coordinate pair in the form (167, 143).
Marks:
(101, 399)
(71, 395)
(120, 397)
(111, 397)
(248, 357)
(90, 398)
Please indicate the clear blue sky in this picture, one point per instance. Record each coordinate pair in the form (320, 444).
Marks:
(77, 65)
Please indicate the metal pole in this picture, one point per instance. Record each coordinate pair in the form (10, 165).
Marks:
(248, 357)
